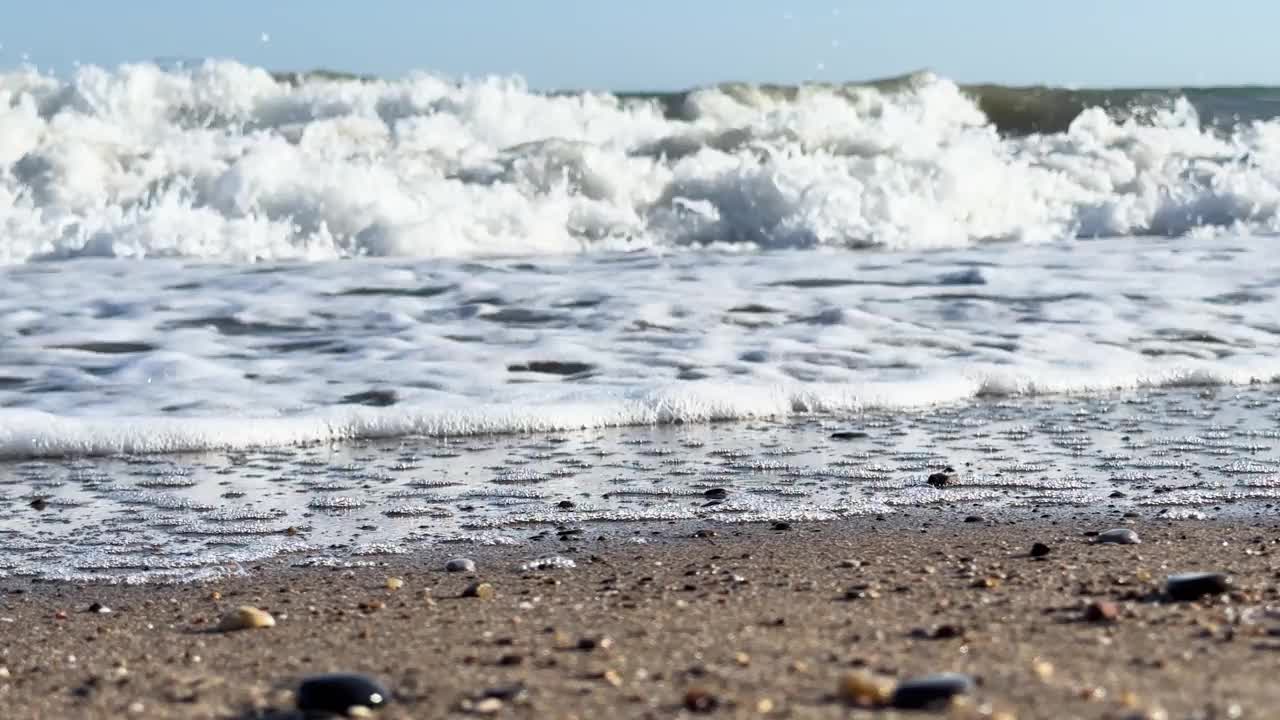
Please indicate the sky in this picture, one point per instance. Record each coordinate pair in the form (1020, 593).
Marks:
(672, 44)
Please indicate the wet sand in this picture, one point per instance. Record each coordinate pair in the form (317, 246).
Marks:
(755, 621)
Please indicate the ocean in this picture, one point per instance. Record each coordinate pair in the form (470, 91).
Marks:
(244, 313)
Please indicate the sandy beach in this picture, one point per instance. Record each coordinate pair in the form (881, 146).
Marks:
(755, 621)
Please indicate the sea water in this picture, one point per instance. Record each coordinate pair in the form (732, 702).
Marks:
(223, 288)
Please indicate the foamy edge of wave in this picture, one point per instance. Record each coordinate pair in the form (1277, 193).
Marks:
(35, 434)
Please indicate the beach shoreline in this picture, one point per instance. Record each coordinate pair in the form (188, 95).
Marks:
(756, 620)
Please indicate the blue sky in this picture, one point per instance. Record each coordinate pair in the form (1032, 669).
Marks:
(657, 44)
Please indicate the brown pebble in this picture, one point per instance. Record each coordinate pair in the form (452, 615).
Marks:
(700, 700)
(1102, 611)
(865, 690)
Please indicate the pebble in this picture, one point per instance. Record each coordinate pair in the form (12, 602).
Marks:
(865, 690)
(394, 583)
(246, 617)
(848, 435)
(98, 607)
(930, 690)
(1118, 536)
(700, 700)
(481, 590)
(337, 693)
(716, 494)
(1102, 611)
(944, 478)
(1040, 550)
(460, 565)
(1193, 586)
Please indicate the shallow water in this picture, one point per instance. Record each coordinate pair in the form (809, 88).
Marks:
(1180, 454)
(116, 356)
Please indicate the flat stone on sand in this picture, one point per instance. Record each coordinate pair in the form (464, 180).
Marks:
(1118, 536)
(460, 564)
(1193, 586)
(930, 690)
(246, 617)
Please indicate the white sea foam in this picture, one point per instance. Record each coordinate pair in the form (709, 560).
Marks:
(220, 161)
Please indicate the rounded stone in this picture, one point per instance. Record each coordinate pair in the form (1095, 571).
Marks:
(460, 564)
(246, 617)
(1118, 536)
(337, 693)
(1193, 586)
(930, 690)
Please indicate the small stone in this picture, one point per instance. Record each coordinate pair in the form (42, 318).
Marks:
(98, 607)
(588, 644)
(337, 693)
(848, 435)
(941, 479)
(481, 590)
(1118, 536)
(1102, 611)
(700, 700)
(460, 565)
(1043, 669)
(394, 583)
(947, 632)
(1040, 550)
(930, 690)
(246, 617)
(716, 494)
(780, 525)
(1193, 586)
(973, 519)
(565, 505)
(488, 706)
(865, 690)
(39, 504)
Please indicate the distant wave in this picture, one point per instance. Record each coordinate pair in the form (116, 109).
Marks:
(1013, 109)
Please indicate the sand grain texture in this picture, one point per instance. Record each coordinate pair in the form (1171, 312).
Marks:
(749, 622)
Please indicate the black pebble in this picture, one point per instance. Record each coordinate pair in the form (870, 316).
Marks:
(39, 504)
(716, 494)
(930, 690)
(782, 526)
(336, 693)
(1193, 586)
(565, 504)
(1040, 550)
(848, 435)
(940, 479)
